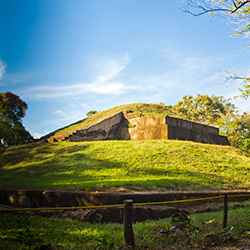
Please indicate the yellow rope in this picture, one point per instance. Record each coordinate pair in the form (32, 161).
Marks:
(238, 195)
(121, 205)
(59, 208)
(178, 201)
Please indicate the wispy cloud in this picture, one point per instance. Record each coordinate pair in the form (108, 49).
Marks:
(2, 69)
(189, 73)
(113, 77)
(107, 82)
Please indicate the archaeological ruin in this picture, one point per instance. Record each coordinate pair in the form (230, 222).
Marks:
(133, 126)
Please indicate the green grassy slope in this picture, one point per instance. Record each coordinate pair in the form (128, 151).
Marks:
(151, 163)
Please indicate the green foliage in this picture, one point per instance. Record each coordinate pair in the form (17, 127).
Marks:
(106, 244)
(12, 109)
(91, 112)
(24, 234)
(217, 111)
(146, 163)
(203, 108)
(237, 128)
(245, 90)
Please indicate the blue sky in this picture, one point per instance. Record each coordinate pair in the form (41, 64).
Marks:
(65, 58)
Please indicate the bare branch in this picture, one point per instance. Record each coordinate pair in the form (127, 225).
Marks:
(203, 8)
(232, 76)
(219, 6)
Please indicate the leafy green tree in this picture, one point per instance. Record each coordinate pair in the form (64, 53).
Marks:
(12, 110)
(237, 15)
(217, 111)
(237, 128)
(91, 112)
(204, 109)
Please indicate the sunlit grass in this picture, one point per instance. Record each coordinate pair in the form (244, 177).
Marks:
(151, 163)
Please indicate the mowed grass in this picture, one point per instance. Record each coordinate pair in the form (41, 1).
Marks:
(149, 163)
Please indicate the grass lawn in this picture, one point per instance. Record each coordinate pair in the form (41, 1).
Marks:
(148, 163)
(30, 232)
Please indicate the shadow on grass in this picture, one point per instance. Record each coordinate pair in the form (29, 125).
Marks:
(53, 165)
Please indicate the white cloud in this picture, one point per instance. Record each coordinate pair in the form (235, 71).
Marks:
(2, 69)
(189, 73)
(105, 83)
(68, 115)
(111, 67)
(61, 113)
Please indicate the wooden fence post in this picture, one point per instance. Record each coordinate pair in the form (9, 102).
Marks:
(225, 211)
(127, 220)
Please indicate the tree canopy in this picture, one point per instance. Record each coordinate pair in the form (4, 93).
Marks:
(204, 108)
(12, 110)
(237, 129)
(217, 111)
(91, 112)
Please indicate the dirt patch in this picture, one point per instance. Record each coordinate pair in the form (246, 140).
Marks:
(75, 197)
(163, 189)
(129, 189)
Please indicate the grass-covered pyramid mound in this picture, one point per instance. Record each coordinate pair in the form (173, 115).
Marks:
(141, 108)
(143, 163)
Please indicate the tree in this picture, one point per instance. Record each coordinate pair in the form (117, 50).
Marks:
(12, 110)
(91, 112)
(204, 109)
(237, 128)
(237, 14)
(217, 111)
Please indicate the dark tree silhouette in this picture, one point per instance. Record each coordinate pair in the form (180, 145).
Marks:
(12, 110)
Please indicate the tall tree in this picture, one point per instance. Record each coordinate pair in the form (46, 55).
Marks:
(204, 108)
(217, 111)
(237, 15)
(237, 128)
(12, 110)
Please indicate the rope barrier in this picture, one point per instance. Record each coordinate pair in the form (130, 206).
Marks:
(238, 195)
(59, 208)
(120, 205)
(178, 201)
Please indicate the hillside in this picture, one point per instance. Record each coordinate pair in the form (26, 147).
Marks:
(146, 163)
(142, 108)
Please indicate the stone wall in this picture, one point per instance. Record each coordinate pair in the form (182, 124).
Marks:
(112, 128)
(166, 127)
(176, 122)
(181, 133)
